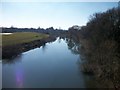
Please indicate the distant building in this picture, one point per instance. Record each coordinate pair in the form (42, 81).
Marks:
(76, 27)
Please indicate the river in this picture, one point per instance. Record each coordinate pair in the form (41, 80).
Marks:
(50, 66)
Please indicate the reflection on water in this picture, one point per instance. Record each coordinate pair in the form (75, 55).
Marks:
(44, 47)
(74, 47)
(12, 60)
(54, 64)
(59, 40)
(0, 74)
(19, 74)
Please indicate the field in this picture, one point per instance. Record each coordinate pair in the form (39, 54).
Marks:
(21, 37)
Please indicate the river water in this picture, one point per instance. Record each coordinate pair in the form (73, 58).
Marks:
(50, 66)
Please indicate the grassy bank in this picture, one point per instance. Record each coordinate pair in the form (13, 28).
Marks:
(16, 43)
(21, 37)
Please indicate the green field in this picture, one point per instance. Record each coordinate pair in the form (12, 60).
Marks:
(21, 37)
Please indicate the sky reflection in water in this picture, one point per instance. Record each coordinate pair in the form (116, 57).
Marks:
(52, 65)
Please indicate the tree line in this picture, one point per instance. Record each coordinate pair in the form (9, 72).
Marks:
(100, 42)
(50, 30)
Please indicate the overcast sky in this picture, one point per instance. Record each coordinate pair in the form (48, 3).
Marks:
(44, 14)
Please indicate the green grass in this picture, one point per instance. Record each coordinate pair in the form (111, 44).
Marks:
(21, 37)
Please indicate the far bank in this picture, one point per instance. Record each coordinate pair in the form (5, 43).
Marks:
(16, 43)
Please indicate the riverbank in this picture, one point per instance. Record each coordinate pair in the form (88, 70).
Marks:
(21, 37)
(17, 43)
(99, 41)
